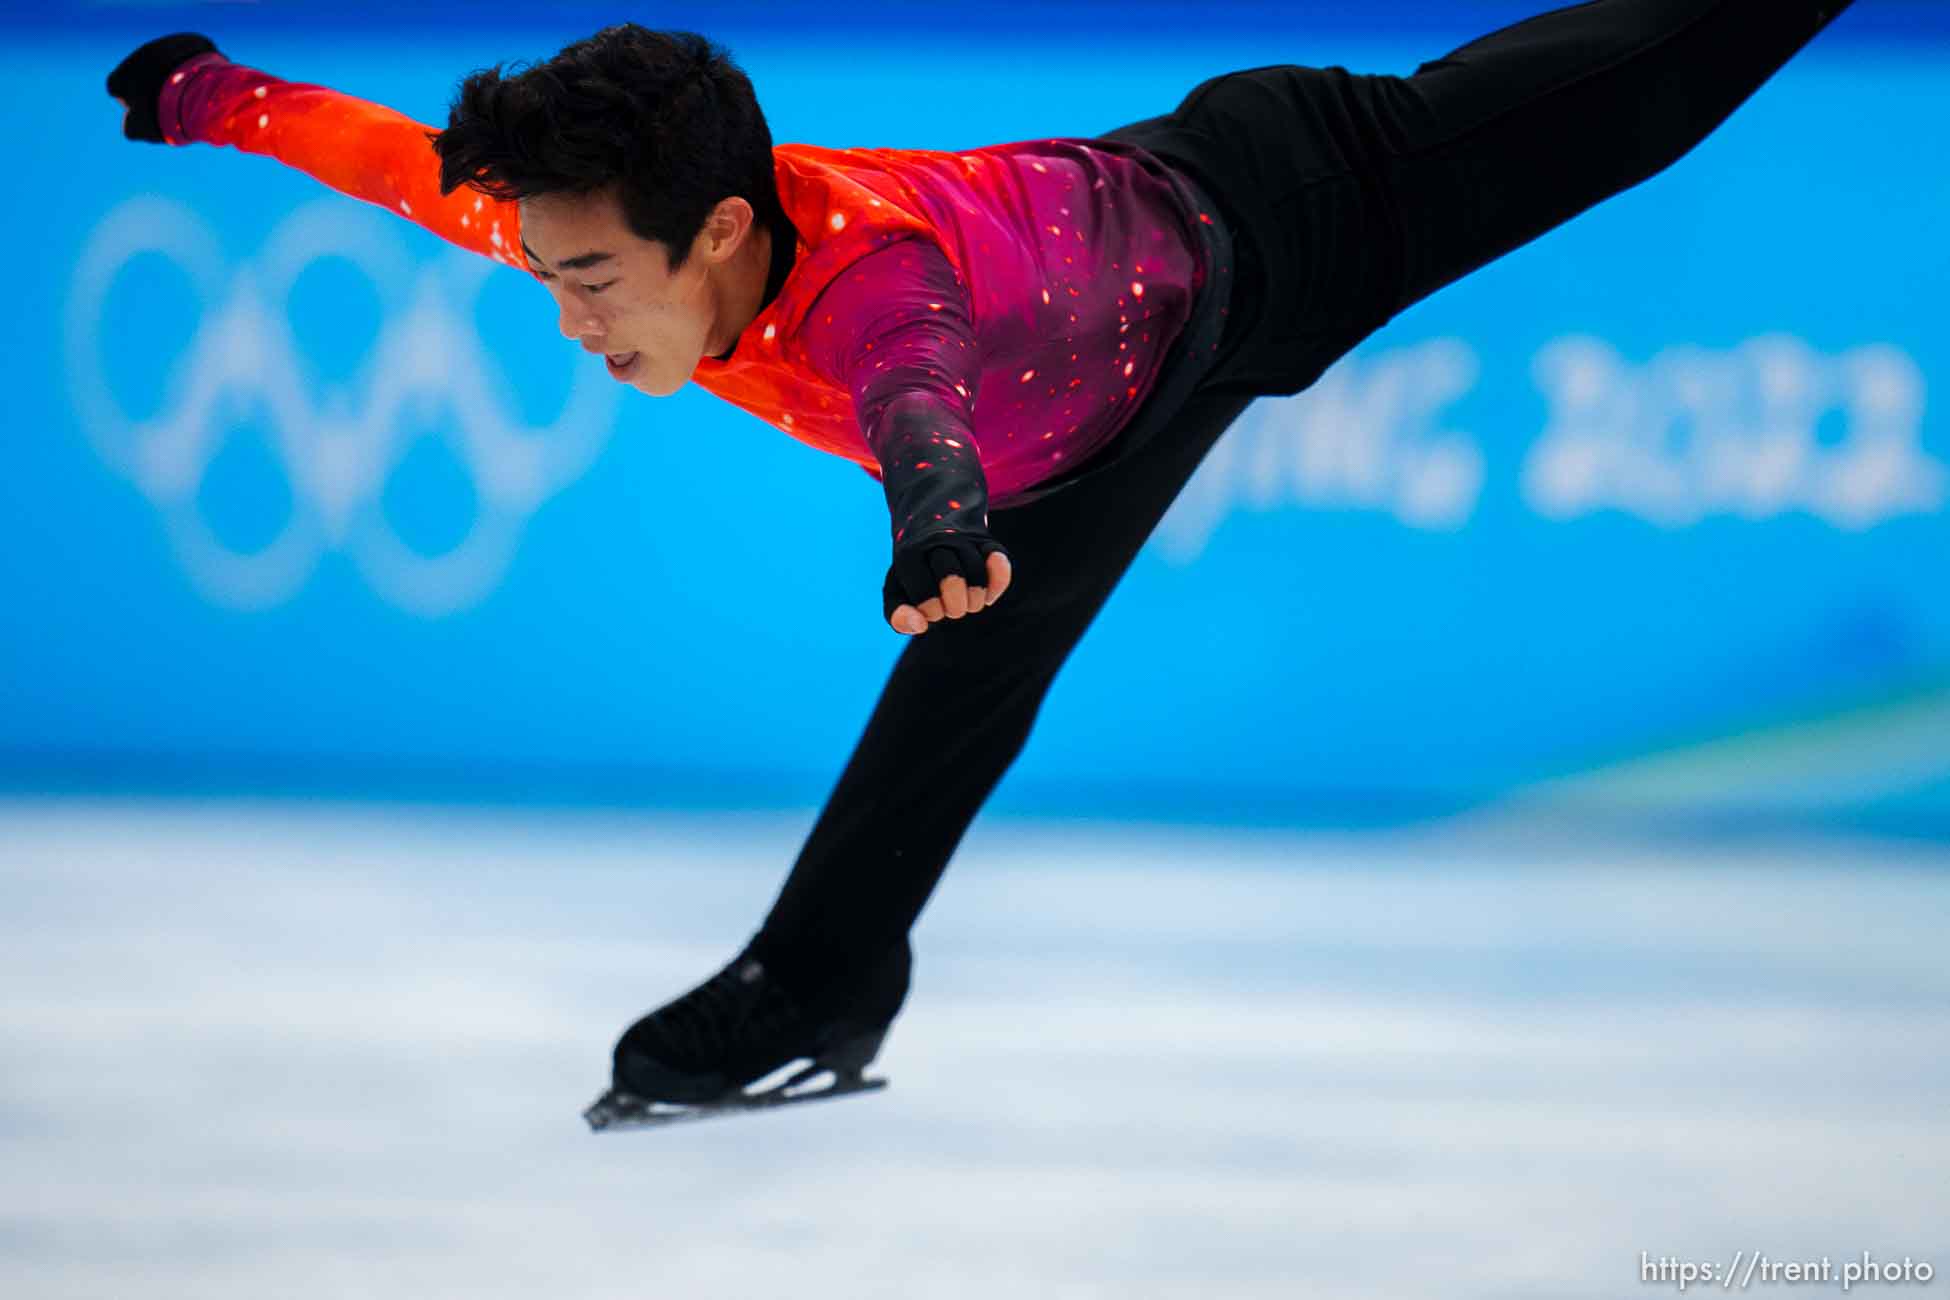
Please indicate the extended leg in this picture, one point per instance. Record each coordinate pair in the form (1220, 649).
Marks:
(1515, 133)
(1359, 195)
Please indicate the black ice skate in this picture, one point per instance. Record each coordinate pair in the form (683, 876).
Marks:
(696, 1057)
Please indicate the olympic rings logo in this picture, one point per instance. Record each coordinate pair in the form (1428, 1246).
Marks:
(337, 449)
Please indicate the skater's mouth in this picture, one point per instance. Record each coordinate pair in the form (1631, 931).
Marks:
(620, 363)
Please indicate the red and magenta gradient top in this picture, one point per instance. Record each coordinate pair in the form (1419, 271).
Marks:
(1030, 289)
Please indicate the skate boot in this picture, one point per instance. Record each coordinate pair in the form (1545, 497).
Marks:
(693, 1058)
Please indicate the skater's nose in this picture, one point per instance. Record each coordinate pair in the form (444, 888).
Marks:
(575, 319)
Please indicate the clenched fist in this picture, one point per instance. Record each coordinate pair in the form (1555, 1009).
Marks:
(957, 599)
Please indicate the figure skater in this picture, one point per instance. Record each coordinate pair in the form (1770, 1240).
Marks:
(1031, 345)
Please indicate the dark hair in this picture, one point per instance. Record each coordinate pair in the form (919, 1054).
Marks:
(665, 117)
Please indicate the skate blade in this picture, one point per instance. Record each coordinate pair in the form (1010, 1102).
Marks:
(621, 1110)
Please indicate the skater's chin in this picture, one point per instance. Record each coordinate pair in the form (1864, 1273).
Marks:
(656, 386)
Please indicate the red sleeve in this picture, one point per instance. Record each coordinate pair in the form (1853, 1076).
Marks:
(358, 148)
(895, 324)
(895, 330)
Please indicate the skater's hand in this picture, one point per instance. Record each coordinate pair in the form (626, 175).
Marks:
(946, 563)
(137, 81)
(957, 598)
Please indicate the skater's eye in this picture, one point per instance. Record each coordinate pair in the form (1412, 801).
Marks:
(598, 288)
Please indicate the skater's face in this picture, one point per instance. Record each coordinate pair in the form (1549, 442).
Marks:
(616, 295)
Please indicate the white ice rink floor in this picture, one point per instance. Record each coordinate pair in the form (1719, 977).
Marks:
(281, 1053)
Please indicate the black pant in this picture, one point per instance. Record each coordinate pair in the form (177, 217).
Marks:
(1350, 198)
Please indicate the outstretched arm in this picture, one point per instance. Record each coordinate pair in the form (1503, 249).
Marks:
(357, 147)
(895, 330)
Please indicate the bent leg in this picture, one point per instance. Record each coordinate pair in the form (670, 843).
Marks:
(960, 704)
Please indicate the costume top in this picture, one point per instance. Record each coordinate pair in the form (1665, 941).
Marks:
(1030, 289)
(1027, 291)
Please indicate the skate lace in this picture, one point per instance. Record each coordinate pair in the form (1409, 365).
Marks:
(704, 1024)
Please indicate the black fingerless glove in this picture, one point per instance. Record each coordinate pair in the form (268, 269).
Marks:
(138, 80)
(938, 499)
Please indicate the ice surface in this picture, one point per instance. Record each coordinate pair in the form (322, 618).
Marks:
(256, 1050)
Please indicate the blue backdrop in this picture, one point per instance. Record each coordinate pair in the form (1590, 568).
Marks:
(1652, 510)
